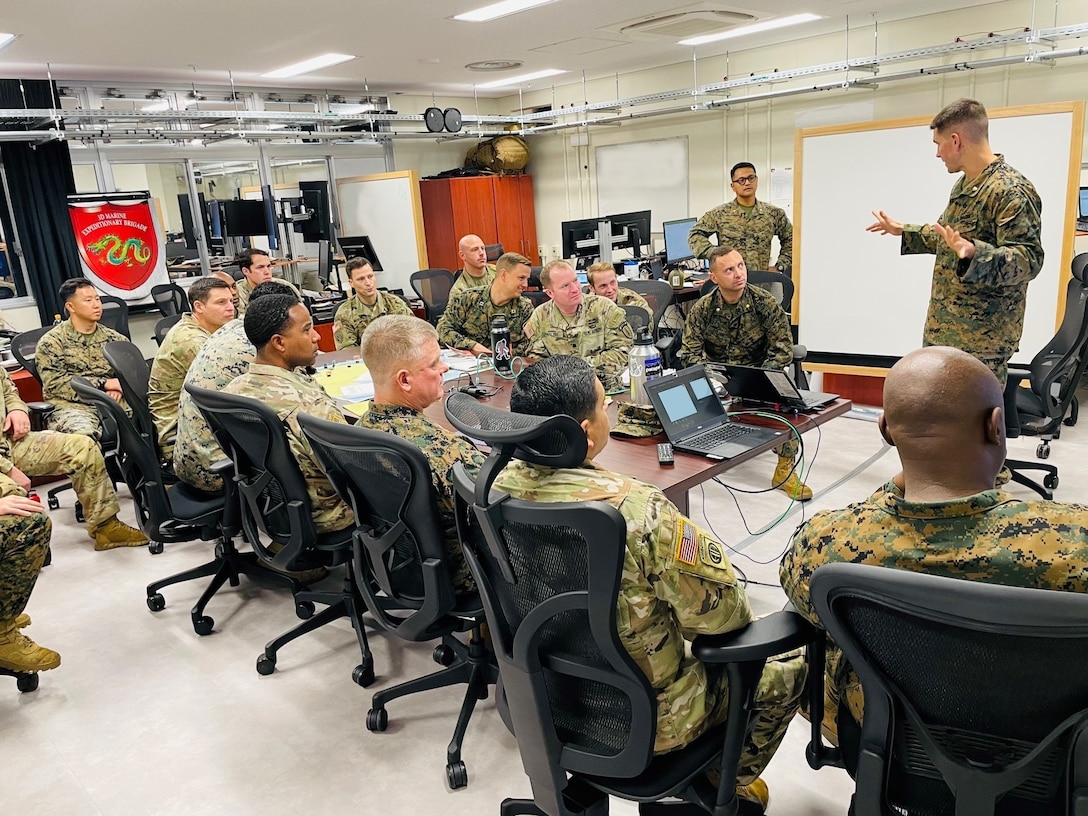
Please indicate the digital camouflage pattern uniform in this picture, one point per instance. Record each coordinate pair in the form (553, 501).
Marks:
(629, 297)
(465, 281)
(290, 393)
(990, 537)
(598, 333)
(754, 331)
(50, 453)
(24, 541)
(226, 355)
(245, 288)
(353, 316)
(747, 230)
(676, 583)
(179, 349)
(977, 305)
(467, 320)
(443, 450)
(63, 353)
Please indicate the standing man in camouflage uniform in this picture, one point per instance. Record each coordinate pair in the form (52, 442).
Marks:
(466, 323)
(226, 355)
(74, 349)
(591, 327)
(367, 303)
(212, 308)
(669, 592)
(603, 282)
(24, 541)
(943, 411)
(743, 325)
(476, 271)
(256, 266)
(747, 225)
(405, 361)
(987, 241)
(282, 331)
(25, 453)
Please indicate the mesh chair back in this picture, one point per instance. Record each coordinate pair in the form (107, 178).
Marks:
(23, 347)
(115, 314)
(433, 287)
(170, 298)
(536, 297)
(972, 690)
(130, 367)
(387, 482)
(637, 318)
(657, 293)
(163, 326)
(1057, 368)
(494, 252)
(779, 285)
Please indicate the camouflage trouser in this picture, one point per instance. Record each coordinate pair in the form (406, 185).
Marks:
(24, 541)
(48, 453)
(788, 449)
(777, 699)
(999, 365)
(83, 421)
(841, 685)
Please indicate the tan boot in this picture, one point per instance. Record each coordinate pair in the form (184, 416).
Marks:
(115, 533)
(753, 797)
(23, 621)
(20, 653)
(789, 482)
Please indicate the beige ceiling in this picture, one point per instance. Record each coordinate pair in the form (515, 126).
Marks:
(402, 45)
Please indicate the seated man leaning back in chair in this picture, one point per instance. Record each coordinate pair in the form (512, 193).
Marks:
(669, 591)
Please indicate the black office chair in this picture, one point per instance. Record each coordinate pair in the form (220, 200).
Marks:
(637, 318)
(115, 315)
(131, 369)
(163, 326)
(494, 252)
(1053, 376)
(276, 519)
(433, 287)
(659, 295)
(536, 297)
(170, 298)
(549, 574)
(400, 565)
(975, 701)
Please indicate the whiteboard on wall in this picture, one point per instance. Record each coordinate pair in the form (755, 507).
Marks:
(857, 294)
(387, 208)
(644, 176)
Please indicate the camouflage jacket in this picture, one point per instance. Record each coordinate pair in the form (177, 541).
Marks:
(598, 333)
(9, 401)
(629, 297)
(244, 288)
(353, 316)
(443, 450)
(465, 281)
(748, 232)
(754, 331)
(978, 305)
(290, 393)
(467, 320)
(179, 348)
(676, 583)
(63, 353)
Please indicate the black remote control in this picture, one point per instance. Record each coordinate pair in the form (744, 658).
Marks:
(664, 454)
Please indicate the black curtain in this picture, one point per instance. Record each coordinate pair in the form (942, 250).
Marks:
(40, 180)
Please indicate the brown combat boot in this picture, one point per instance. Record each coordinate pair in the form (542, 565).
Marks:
(115, 533)
(753, 797)
(789, 482)
(20, 653)
(23, 621)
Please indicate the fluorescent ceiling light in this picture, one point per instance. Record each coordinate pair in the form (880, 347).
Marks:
(754, 28)
(518, 80)
(496, 10)
(5, 38)
(156, 107)
(308, 66)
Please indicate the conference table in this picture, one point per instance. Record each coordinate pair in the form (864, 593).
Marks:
(638, 457)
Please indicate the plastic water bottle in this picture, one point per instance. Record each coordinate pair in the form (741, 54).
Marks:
(501, 353)
(643, 363)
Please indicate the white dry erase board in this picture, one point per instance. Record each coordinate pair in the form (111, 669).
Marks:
(386, 207)
(857, 295)
(644, 176)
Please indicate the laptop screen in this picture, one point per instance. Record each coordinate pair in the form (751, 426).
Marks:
(1083, 202)
(686, 401)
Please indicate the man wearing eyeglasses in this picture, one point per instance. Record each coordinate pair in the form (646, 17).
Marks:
(747, 225)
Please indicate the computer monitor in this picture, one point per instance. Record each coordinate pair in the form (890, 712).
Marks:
(187, 227)
(631, 230)
(360, 246)
(676, 240)
(315, 196)
(1083, 200)
(243, 218)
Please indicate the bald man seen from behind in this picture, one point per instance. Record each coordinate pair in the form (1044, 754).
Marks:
(941, 515)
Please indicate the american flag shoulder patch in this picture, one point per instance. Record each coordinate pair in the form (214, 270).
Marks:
(687, 543)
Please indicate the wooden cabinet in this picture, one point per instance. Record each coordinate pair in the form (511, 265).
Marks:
(497, 208)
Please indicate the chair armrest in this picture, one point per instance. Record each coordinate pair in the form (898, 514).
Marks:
(799, 352)
(222, 467)
(40, 407)
(38, 412)
(775, 634)
(1017, 373)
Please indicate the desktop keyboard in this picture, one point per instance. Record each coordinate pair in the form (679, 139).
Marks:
(1082, 225)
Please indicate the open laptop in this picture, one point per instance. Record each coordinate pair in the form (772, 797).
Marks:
(772, 387)
(693, 417)
(1082, 209)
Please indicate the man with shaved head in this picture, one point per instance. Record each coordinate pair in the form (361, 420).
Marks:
(475, 270)
(941, 515)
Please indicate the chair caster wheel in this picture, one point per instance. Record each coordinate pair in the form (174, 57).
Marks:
(265, 665)
(155, 547)
(1050, 481)
(54, 503)
(26, 682)
(79, 512)
(1043, 451)
(443, 655)
(203, 625)
(377, 719)
(304, 610)
(456, 775)
(156, 602)
(363, 675)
